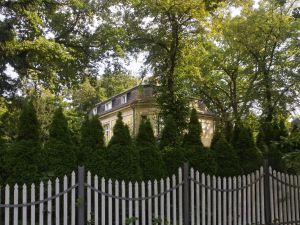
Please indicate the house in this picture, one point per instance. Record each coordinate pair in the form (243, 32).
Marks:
(139, 101)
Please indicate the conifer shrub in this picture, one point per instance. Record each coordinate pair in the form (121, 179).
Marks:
(226, 157)
(91, 153)
(59, 150)
(169, 135)
(192, 137)
(123, 159)
(151, 161)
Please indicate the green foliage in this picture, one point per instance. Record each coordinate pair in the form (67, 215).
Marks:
(173, 158)
(192, 137)
(91, 153)
(292, 162)
(275, 157)
(123, 159)
(151, 161)
(226, 157)
(170, 136)
(243, 143)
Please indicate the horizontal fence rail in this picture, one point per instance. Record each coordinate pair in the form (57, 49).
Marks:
(265, 196)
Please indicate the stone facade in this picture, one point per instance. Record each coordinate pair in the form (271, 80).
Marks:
(138, 102)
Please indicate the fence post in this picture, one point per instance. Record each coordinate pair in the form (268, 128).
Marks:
(267, 193)
(186, 194)
(81, 202)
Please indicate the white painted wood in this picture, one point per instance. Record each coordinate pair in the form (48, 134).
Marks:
(65, 211)
(180, 205)
(7, 201)
(155, 200)
(16, 198)
(174, 201)
(262, 197)
(230, 201)
(116, 203)
(73, 199)
(224, 187)
(280, 202)
(143, 190)
(234, 201)
(168, 206)
(49, 204)
(162, 200)
(192, 183)
(244, 200)
(293, 205)
(288, 197)
(123, 203)
(41, 208)
(130, 214)
(257, 201)
(96, 198)
(203, 199)
(103, 205)
(219, 181)
(136, 203)
(253, 198)
(284, 198)
(149, 202)
(214, 205)
(197, 198)
(239, 201)
(296, 198)
(208, 201)
(32, 209)
(110, 202)
(24, 201)
(57, 208)
(248, 199)
(88, 197)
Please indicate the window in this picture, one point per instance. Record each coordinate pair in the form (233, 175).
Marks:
(106, 132)
(108, 106)
(124, 99)
(94, 111)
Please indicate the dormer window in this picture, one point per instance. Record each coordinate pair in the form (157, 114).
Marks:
(94, 111)
(108, 106)
(124, 99)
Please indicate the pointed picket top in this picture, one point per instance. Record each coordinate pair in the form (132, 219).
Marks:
(168, 179)
(16, 187)
(180, 170)
(88, 174)
(109, 181)
(270, 168)
(130, 184)
(192, 170)
(41, 184)
(149, 182)
(161, 180)
(56, 180)
(155, 182)
(24, 186)
(123, 183)
(32, 186)
(96, 179)
(65, 177)
(143, 184)
(49, 182)
(103, 180)
(73, 173)
(116, 182)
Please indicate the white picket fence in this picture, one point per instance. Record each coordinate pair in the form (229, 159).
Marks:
(262, 197)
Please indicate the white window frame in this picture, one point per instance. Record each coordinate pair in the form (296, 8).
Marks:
(107, 131)
(94, 111)
(124, 99)
(108, 106)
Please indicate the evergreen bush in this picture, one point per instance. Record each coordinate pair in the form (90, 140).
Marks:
(169, 136)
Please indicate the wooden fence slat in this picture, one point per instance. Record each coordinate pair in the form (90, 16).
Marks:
(41, 208)
(293, 205)
(224, 201)
(24, 209)
(248, 199)
(7, 201)
(57, 210)
(73, 180)
(88, 198)
(214, 202)
(288, 197)
(239, 211)
(149, 190)
(65, 201)
(244, 200)
(262, 198)
(174, 202)
(32, 210)
(203, 200)
(230, 200)
(280, 202)
(192, 196)
(123, 204)
(136, 204)
(96, 197)
(253, 198)
(143, 203)
(180, 205)
(208, 201)
(275, 195)
(130, 202)
(296, 198)
(16, 198)
(284, 198)
(162, 200)
(219, 202)
(168, 207)
(116, 202)
(103, 205)
(49, 203)
(257, 193)
(197, 198)
(234, 204)
(155, 200)
(109, 202)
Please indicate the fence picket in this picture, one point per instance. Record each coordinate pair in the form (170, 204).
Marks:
(203, 201)
(197, 199)
(65, 201)
(96, 197)
(73, 199)
(248, 199)
(41, 209)
(284, 198)
(296, 198)
(235, 204)
(16, 198)
(24, 209)
(253, 198)
(239, 200)
(168, 207)
(224, 202)
(123, 203)
(219, 202)
(214, 202)
(155, 200)
(149, 203)
(257, 193)
(109, 202)
(208, 201)
(230, 200)
(49, 203)
(143, 203)
(244, 201)
(162, 200)
(116, 203)
(57, 218)
(280, 202)
(180, 196)
(192, 175)
(293, 205)
(288, 197)
(88, 197)
(130, 201)
(262, 197)
(32, 210)
(103, 202)
(174, 201)
(136, 204)
(7, 200)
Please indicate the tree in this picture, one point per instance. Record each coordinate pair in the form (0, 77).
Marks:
(92, 150)
(24, 156)
(169, 137)
(60, 152)
(151, 161)
(192, 137)
(226, 157)
(123, 159)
